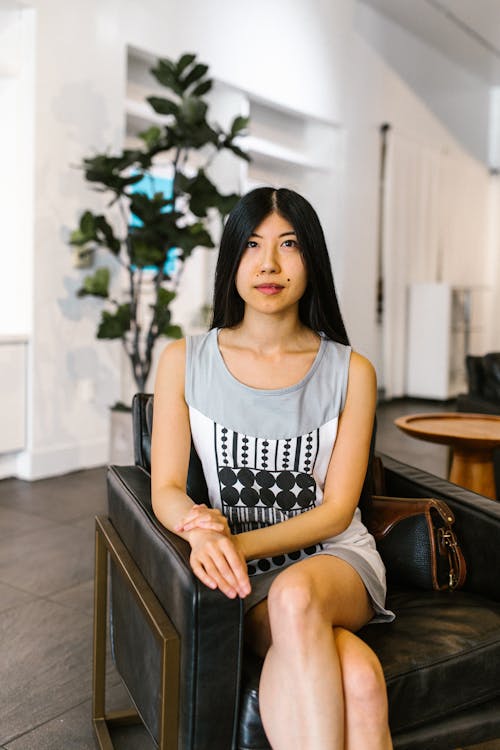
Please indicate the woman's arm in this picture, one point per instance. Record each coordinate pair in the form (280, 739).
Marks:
(344, 479)
(170, 457)
(214, 557)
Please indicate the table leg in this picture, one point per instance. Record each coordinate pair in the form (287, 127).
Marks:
(474, 470)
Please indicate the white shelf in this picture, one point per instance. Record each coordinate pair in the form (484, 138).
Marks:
(13, 338)
(141, 110)
(259, 147)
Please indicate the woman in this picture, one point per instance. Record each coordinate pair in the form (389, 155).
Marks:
(281, 413)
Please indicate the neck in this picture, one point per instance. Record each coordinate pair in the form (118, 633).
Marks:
(273, 333)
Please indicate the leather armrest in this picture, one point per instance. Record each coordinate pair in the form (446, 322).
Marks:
(209, 624)
(477, 521)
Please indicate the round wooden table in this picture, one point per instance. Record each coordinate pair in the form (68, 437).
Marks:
(472, 438)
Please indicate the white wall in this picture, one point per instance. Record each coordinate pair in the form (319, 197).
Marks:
(377, 95)
(16, 158)
(458, 98)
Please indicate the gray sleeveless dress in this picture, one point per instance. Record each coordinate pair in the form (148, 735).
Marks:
(265, 454)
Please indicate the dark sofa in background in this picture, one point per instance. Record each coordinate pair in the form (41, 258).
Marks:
(483, 394)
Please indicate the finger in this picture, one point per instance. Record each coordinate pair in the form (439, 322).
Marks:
(191, 521)
(213, 581)
(224, 569)
(214, 573)
(215, 559)
(203, 523)
(200, 573)
(193, 515)
(233, 568)
(239, 569)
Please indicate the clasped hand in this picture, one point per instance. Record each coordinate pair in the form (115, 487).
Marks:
(217, 557)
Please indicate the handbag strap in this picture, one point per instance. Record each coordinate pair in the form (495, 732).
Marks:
(449, 544)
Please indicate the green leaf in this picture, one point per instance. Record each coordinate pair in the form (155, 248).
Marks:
(162, 314)
(163, 106)
(108, 170)
(183, 183)
(204, 195)
(184, 61)
(226, 203)
(194, 74)
(145, 254)
(151, 136)
(173, 332)
(239, 123)
(151, 210)
(192, 110)
(87, 224)
(202, 88)
(114, 325)
(105, 235)
(194, 235)
(96, 284)
(238, 152)
(166, 74)
(202, 192)
(78, 238)
(165, 297)
(167, 64)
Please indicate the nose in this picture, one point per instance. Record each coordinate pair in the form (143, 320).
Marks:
(268, 262)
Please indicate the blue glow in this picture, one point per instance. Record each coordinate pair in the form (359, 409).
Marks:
(150, 185)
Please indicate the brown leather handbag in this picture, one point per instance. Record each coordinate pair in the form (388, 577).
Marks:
(416, 541)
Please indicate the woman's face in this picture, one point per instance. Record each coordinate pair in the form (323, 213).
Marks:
(272, 276)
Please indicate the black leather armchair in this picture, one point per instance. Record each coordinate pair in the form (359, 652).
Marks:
(179, 648)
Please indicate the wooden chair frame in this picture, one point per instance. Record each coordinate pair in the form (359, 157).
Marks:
(108, 545)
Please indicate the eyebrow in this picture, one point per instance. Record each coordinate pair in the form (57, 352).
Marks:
(283, 234)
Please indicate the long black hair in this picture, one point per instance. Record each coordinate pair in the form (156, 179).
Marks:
(318, 307)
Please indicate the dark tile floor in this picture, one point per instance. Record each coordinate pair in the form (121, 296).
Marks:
(46, 568)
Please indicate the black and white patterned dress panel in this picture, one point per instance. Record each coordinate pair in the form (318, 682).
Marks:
(263, 482)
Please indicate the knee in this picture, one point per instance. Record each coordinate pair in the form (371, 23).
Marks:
(292, 605)
(364, 687)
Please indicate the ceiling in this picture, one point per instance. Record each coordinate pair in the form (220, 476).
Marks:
(467, 31)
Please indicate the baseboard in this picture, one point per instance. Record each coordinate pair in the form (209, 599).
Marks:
(61, 459)
(8, 465)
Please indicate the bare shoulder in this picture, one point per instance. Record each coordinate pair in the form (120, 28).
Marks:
(175, 351)
(361, 367)
(172, 365)
(362, 375)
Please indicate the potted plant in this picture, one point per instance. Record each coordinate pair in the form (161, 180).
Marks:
(151, 225)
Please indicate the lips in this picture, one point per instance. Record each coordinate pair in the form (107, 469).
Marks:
(269, 288)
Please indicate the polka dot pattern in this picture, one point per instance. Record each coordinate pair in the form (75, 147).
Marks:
(286, 490)
(280, 561)
(263, 482)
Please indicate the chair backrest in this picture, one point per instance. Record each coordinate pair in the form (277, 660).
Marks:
(483, 374)
(142, 425)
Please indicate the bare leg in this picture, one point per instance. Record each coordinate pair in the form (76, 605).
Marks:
(365, 696)
(301, 693)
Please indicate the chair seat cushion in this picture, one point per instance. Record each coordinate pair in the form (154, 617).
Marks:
(436, 639)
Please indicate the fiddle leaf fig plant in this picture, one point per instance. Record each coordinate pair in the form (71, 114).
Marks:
(149, 232)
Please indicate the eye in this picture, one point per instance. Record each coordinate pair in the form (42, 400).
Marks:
(290, 244)
(251, 244)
